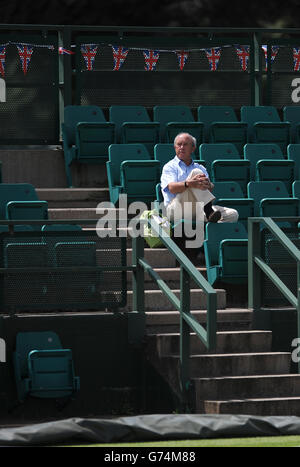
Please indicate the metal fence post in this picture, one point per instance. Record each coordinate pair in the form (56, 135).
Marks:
(254, 272)
(185, 304)
(298, 307)
(138, 286)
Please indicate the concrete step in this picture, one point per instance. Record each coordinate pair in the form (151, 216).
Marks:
(169, 275)
(227, 342)
(79, 213)
(245, 387)
(277, 406)
(156, 257)
(156, 300)
(73, 197)
(227, 319)
(234, 364)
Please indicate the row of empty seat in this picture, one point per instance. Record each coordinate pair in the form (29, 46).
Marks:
(131, 171)
(87, 134)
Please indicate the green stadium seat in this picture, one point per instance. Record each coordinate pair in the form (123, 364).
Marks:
(86, 136)
(267, 163)
(16, 228)
(61, 227)
(224, 163)
(159, 196)
(296, 189)
(19, 201)
(293, 154)
(164, 152)
(222, 126)
(27, 210)
(24, 192)
(42, 367)
(230, 194)
(59, 233)
(265, 126)
(271, 199)
(226, 252)
(68, 246)
(131, 171)
(133, 125)
(291, 114)
(139, 180)
(175, 119)
(230, 189)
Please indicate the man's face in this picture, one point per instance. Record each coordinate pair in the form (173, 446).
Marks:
(184, 147)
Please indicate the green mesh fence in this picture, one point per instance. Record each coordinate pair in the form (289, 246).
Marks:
(167, 84)
(30, 114)
(282, 263)
(62, 271)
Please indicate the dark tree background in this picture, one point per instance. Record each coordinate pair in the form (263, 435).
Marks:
(196, 13)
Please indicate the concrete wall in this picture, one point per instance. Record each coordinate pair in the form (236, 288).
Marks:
(44, 168)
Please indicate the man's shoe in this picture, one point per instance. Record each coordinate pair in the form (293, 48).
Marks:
(214, 217)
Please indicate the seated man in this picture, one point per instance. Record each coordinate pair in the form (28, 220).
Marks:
(183, 180)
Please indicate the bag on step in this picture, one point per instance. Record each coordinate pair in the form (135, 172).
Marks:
(150, 236)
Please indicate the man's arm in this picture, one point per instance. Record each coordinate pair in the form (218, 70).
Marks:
(198, 181)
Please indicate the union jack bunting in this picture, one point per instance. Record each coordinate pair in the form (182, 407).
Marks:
(182, 57)
(25, 53)
(2, 59)
(213, 55)
(89, 53)
(63, 51)
(119, 54)
(243, 54)
(274, 50)
(296, 57)
(151, 58)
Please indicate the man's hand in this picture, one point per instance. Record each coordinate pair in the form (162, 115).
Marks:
(201, 182)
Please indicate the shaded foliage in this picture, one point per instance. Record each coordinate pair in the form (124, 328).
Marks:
(195, 13)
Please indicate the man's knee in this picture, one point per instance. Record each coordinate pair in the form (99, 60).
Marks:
(194, 172)
(230, 215)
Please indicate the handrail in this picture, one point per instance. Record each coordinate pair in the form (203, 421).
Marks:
(256, 264)
(187, 321)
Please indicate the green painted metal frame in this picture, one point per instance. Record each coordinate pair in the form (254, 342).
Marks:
(257, 266)
(67, 68)
(188, 322)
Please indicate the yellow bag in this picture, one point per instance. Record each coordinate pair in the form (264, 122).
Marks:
(151, 237)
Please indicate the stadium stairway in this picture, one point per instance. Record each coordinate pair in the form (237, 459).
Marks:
(242, 376)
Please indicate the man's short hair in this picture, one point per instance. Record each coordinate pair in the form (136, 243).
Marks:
(192, 138)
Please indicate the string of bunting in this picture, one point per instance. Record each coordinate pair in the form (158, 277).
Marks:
(151, 57)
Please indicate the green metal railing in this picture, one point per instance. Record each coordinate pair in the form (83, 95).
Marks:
(188, 322)
(257, 266)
